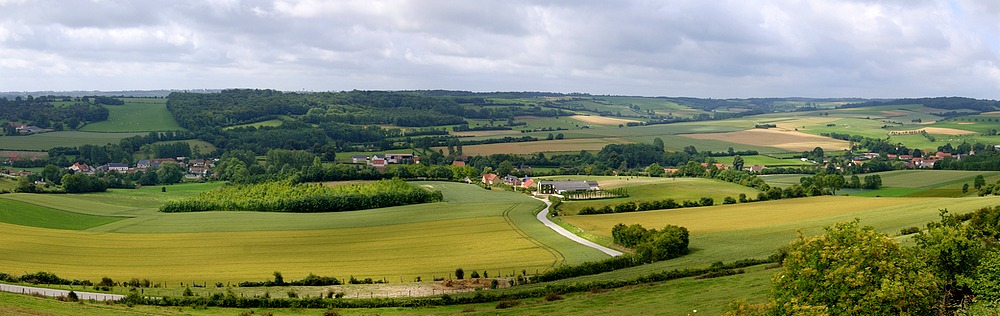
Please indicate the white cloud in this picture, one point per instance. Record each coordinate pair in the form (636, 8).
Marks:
(687, 47)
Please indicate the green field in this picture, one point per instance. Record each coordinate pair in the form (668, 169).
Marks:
(755, 230)
(763, 160)
(475, 229)
(655, 189)
(268, 123)
(46, 141)
(912, 183)
(136, 115)
(20, 213)
(197, 145)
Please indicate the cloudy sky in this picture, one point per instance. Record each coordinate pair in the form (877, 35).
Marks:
(734, 48)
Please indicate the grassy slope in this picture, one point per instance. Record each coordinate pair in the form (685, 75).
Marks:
(45, 141)
(136, 115)
(928, 183)
(476, 229)
(25, 214)
(677, 297)
(756, 230)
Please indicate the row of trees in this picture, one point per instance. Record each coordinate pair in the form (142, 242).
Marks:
(652, 245)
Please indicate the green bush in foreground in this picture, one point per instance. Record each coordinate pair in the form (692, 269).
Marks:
(284, 196)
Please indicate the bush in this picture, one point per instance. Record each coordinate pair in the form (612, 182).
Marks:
(553, 297)
(474, 275)
(729, 200)
(187, 292)
(909, 230)
(853, 270)
(507, 304)
(72, 296)
(459, 273)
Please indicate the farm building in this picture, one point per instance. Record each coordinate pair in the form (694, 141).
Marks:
(490, 178)
(359, 159)
(560, 187)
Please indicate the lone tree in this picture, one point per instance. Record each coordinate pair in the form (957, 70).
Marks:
(459, 273)
(737, 163)
(853, 270)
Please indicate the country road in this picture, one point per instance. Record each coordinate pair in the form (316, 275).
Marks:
(543, 216)
(58, 293)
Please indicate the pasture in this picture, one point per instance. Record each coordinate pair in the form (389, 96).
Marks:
(911, 183)
(475, 229)
(197, 145)
(547, 146)
(655, 189)
(136, 115)
(46, 141)
(267, 123)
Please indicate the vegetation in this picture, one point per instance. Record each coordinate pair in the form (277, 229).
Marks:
(305, 198)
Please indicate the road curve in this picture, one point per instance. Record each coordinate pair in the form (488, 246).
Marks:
(543, 217)
(57, 293)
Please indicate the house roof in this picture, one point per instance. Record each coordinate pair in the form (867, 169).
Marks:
(561, 186)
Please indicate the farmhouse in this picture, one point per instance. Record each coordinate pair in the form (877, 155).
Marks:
(120, 167)
(527, 182)
(511, 180)
(401, 158)
(359, 159)
(560, 187)
(490, 178)
(80, 168)
(378, 161)
(458, 163)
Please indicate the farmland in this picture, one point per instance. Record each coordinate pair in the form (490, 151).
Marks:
(45, 141)
(755, 230)
(913, 183)
(406, 241)
(137, 115)
(650, 189)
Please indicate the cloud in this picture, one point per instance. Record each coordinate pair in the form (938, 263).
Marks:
(687, 47)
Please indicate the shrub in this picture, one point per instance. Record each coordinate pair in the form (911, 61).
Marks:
(72, 296)
(909, 230)
(459, 273)
(553, 297)
(474, 275)
(187, 292)
(508, 303)
(729, 200)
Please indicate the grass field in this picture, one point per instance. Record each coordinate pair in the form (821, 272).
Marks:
(475, 229)
(268, 123)
(20, 213)
(763, 160)
(650, 189)
(46, 141)
(196, 145)
(136, 115)
(676, 297)
(912, 183)
(755, 230)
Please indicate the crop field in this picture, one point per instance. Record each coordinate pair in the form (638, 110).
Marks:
(755, 230)
(45, 141)
(475, 229)
(563, 145)
(136, 115)
(913, 183)
(601, 120)
(788, 140)
(25, 214)
(650, 189)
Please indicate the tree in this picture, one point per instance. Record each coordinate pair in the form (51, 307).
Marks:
(834, 182)
(655, 170)
(550, 137)
(505, 168)
(24, 185)
(52, 174)
(950, 251)
(853, 270)
(459, 273)
(965, 188)
(737, 163)
(169, 172)
(560, 136)
(658, 143)
(979, 182)
(279, 280)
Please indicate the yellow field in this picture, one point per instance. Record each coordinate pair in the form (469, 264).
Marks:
(802, 212)
(790, 140)
(600, 120)
(563, 145)
(392, 251)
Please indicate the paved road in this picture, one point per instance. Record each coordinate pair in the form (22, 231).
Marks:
(543, 216)
(58, 293)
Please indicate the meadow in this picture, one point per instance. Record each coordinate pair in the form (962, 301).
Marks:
(911, 183)
(136, 115)
(45, 141)
(475, 229)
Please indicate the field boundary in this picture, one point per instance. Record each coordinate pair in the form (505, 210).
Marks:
(28, 290)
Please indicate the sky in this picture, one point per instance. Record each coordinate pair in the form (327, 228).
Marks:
(697, 48)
